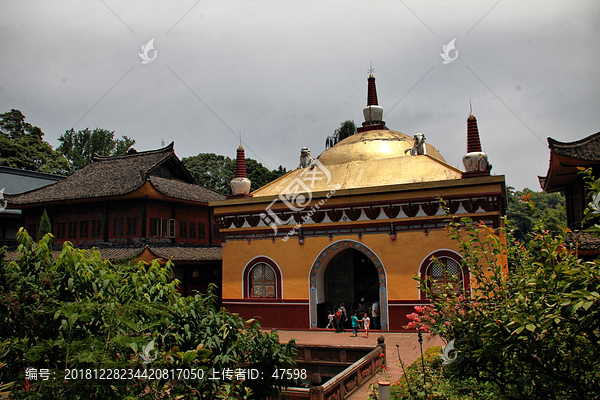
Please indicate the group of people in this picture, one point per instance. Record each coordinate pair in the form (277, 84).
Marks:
(368, 314)
(337, 318)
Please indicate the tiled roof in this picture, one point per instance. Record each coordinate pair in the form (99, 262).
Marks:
(183, 190)
(188, 253)
(15, 180)
(111, 254)
(587, 149)
(173, 252)
(587, 241)
(119, 175)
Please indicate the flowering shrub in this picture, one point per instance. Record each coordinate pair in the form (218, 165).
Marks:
(532, 322)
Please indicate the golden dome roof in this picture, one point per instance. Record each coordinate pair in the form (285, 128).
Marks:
(373, 145)
(367, 159)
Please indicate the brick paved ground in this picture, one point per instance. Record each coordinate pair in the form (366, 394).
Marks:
(408, 345)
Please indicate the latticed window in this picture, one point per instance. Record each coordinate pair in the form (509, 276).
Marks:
(84, 229)
(444, 275)
(131, 226)
(262, 281)
(96, 228)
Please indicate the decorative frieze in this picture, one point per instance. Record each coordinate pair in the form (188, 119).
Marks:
(410, 210)
(391, 211)
(371, 213)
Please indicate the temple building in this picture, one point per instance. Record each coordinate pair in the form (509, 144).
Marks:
(563, 176)
(142, 206)
(357, 224)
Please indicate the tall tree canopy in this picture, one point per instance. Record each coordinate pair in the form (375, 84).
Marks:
(526, 207)
(346, 129)
(22, 146)
(79, 147)
(215, 171)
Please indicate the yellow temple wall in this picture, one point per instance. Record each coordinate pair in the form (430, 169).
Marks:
(401, 259)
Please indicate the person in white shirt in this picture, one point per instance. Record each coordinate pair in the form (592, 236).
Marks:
(330, 317)
(367, 322)
(375, 314)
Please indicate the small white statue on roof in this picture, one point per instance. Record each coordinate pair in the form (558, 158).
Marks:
(418, 148)
(306, 159)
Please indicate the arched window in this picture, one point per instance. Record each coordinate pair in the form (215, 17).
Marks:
(262, 279)
(443, 273)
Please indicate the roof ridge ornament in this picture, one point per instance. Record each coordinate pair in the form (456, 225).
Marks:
(371, 69)
(306, 159)
(418, 148)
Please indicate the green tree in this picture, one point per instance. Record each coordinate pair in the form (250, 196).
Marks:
(45, 226)
(22, 146)
(79, 312)
(79, 147)
(531, 324)
(526, 207)
(346, 129)
(211, 171)
(216, 171)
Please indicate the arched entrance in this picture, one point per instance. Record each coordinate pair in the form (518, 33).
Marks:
(349, 277)
(346, 271)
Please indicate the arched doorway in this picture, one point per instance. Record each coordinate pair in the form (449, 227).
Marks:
(349, 277)
(346, 271)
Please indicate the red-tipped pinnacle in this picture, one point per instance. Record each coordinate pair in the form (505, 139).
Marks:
(371, 92)
(473, 142)
(240, 163)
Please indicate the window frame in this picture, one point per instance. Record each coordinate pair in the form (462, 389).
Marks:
(84, 229)
(247, 278)
(96, 229)
(131, 227)
(429, 261)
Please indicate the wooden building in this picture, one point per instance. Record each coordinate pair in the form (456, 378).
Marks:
(563, 176)
(143, 206)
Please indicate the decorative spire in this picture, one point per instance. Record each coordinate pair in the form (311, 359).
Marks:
(371, 89)
(372, 92)
(240, 184)
(473, 143)
(475, 161)
(240, 163)
(373, 113)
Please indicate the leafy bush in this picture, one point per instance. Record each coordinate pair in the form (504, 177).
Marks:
(532, 323)
(80, 312)
(437, 383)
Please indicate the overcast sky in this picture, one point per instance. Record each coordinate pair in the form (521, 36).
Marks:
(285, 74)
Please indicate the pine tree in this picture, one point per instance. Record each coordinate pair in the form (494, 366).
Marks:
(45, 226)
